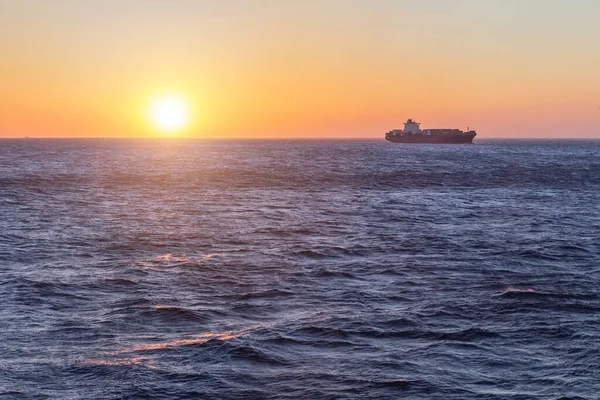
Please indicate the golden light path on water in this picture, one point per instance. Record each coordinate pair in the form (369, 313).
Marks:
(169, 260)
(117, 359)
(196, 339)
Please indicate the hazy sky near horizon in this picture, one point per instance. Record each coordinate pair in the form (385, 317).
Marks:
(329, 68)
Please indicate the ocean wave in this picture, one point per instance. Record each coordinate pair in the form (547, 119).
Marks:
(265, 294)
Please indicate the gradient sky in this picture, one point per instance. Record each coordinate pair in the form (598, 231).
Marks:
(328, 68)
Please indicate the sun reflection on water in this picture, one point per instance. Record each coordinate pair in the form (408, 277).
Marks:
(195, 339)
(170, 260)
(147, 361)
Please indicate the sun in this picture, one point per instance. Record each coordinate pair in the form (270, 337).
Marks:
(170, 113)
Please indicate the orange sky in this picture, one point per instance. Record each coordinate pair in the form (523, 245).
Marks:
(250, 68)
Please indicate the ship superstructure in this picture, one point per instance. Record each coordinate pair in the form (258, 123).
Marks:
(412, 133)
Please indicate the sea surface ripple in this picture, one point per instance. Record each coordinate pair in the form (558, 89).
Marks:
(174, 269)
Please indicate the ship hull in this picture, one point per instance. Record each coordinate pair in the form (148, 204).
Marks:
(457, 139)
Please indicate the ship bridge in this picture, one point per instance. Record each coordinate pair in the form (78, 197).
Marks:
(411, 126)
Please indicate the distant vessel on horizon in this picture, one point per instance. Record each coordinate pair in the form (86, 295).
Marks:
(412, 133)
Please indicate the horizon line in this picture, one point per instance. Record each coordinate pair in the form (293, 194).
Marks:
(309, 138)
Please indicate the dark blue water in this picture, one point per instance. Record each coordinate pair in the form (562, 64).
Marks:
(144, 269)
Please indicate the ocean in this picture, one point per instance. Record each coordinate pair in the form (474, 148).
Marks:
(196, 269)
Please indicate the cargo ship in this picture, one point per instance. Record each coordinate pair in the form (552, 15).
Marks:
(412, 133)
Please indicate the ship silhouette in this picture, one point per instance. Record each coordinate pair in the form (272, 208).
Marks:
(412, 133)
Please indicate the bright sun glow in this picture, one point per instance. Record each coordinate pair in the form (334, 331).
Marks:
(169, 113)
